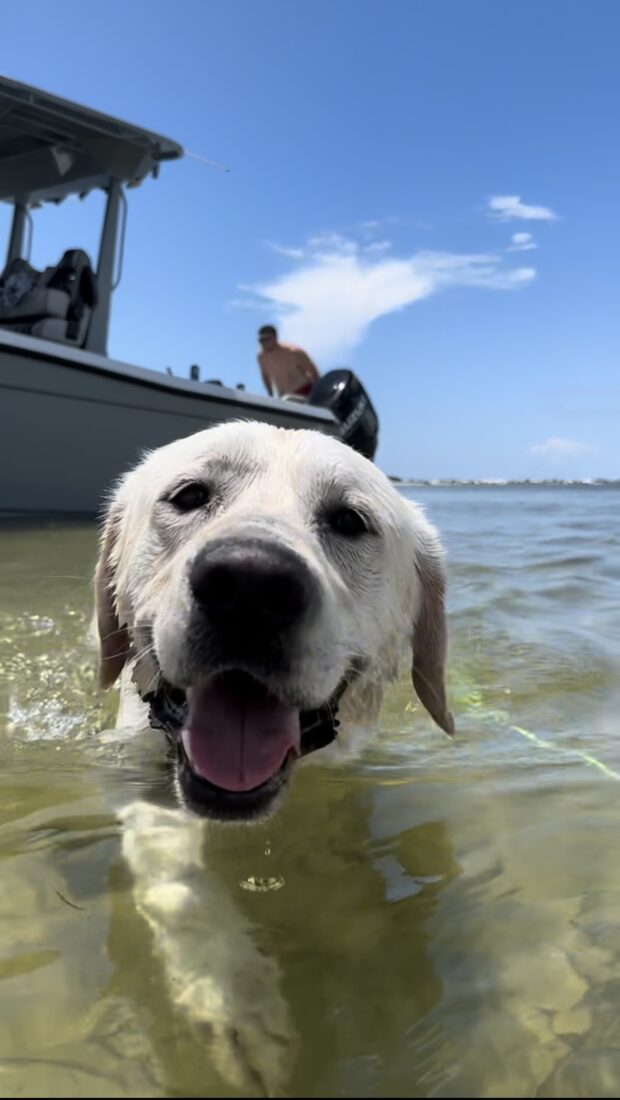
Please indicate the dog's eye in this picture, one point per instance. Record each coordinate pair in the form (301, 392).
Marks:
(190, 497)
(347, 522)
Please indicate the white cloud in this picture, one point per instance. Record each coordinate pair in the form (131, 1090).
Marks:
(505, 208)
(332, 244)
(378, 246)
(328, 302)
(522, 242)
(560, 448)
(284, 250)
(246, 303)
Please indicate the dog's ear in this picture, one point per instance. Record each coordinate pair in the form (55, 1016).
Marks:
(430, 635)
(113, 638)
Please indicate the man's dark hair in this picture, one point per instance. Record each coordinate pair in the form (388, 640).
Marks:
(267, 330)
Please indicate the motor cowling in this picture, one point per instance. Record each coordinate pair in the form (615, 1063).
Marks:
(343, 394)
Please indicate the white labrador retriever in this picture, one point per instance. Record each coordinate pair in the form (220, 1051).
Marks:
(255, 589)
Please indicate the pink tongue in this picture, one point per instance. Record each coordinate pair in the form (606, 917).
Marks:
(237, 739)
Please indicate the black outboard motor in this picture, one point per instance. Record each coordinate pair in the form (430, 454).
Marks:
(342, 393)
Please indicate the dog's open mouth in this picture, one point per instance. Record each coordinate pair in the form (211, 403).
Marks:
(236, 735)
(237, 742)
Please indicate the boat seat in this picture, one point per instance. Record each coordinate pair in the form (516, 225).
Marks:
(55, 304)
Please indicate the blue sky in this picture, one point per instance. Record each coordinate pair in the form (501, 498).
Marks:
(425, 191)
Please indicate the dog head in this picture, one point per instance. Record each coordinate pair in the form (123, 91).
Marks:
(261, 574)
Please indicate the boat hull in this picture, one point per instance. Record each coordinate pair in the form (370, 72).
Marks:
(72, 422)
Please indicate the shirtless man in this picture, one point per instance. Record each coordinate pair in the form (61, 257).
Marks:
(284, 368)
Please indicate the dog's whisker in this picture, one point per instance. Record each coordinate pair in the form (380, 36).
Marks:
(147, 651)
(113, 634)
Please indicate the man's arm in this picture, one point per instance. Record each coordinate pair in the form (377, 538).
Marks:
(308, 368)
(263, 374)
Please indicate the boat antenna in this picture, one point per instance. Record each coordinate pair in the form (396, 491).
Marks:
(204, 160)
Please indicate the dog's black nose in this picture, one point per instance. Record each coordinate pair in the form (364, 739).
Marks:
(252, 584)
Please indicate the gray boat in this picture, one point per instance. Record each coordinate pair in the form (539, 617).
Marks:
(71, 418)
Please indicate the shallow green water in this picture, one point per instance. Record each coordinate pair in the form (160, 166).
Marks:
(449, 922)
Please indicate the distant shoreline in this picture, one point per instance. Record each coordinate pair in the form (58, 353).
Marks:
(499, 483)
